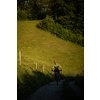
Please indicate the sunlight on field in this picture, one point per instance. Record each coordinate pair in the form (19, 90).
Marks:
(44, 48)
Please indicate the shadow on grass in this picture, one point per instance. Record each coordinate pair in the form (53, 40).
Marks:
(32, 82)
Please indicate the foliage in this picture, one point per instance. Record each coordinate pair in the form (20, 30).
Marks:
(32, 10)
(68, 13)
(48, 24)
(67, 22)
(21, 14)
(64, 21)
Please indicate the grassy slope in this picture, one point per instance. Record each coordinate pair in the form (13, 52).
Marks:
(43, 47)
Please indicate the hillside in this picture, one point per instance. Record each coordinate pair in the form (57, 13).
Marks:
(43, 47)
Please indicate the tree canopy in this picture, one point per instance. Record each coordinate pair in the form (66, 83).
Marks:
(68, 13)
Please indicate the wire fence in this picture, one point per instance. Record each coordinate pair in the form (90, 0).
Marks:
(33, 65)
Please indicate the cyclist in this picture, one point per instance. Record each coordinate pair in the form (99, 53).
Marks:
(56, 68)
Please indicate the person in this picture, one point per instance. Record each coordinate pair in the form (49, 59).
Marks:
(56, 67)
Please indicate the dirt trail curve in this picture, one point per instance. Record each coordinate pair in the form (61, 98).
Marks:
(51, 91)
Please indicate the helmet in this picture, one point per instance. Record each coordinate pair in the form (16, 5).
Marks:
(55, 61)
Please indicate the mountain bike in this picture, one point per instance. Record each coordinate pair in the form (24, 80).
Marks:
(57, 73)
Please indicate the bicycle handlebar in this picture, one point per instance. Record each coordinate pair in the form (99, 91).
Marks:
(56, 70)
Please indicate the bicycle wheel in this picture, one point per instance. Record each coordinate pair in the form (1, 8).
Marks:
(57, 79)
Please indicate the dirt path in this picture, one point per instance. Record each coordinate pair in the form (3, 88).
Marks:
(51, 91)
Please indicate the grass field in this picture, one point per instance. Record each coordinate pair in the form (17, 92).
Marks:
(42, 47)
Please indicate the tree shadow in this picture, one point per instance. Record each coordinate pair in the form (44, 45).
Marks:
(33, 82)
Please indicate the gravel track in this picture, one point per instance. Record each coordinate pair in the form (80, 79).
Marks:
(51, 91)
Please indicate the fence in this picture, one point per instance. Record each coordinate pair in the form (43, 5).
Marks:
(33, 65)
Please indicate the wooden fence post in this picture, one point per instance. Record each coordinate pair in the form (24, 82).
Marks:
(43, 68)
(36, 66)
(20, 57)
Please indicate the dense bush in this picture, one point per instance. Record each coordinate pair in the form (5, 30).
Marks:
(48, 24)
(70, 23)
(65, 21)
(21, 14)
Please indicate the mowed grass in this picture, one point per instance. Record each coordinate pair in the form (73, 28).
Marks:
(43, 47)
